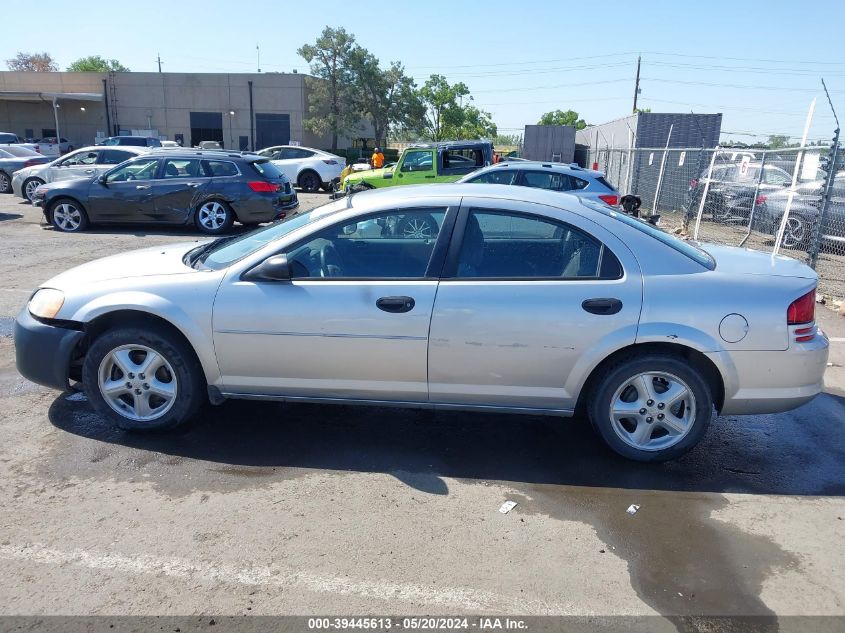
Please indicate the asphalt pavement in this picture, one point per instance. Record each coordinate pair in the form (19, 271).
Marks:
(262, 508)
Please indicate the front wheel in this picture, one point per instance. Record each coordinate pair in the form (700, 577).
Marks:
(214, 217)
(143, 378)
(29, 187)
(68, 216)
(651, 408)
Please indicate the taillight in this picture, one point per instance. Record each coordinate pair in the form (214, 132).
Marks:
(330, 161)
(30, 163)
(802, 310)
(609, 199)
(693, 183)
(37, 149)
(804, 334)
(262, 186)
(760, 200)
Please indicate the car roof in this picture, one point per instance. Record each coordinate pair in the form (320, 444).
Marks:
(138, 149)
(448, 144)
(193, 152)
(567, 168)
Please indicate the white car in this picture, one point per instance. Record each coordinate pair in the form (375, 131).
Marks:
(170, 145)
(83, 163)
(49, 146)
(306, 167)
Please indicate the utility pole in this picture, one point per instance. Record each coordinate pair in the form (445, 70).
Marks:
(159, 62)
(637, 84)
(258, 53)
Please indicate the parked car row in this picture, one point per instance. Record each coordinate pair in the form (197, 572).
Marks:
(310, 169)
(734, 189)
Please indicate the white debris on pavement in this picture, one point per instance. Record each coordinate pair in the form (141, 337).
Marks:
(507, 506)
(632, 509)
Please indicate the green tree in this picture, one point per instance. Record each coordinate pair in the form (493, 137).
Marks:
(33, 62)
(388, 97)
(642, 110)
(332, 102)
(559, 117)
(474, 123)
(777, 141)
(443, 112)
(96, 64)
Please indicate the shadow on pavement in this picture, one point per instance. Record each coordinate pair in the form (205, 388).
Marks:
(9, 216)
(795, 453)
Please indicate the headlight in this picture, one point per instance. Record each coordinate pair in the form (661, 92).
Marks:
(46, 303)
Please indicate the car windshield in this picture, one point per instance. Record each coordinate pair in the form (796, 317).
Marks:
(684, 247)
(225, 252)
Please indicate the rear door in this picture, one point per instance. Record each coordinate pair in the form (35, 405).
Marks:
(181, 185)
(530, 299)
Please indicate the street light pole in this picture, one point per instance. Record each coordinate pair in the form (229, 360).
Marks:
(56, 117)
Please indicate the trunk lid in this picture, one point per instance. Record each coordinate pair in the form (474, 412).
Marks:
(750, 262)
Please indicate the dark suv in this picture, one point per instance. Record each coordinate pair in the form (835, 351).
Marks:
(210, 189)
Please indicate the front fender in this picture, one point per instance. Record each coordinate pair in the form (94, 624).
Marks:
(197, 334)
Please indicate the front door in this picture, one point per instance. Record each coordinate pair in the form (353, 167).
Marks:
(351, 324)
(126, 195)
(417, 167)
(80, 164)
(526, 302)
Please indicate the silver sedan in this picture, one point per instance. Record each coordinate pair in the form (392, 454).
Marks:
(458, 296)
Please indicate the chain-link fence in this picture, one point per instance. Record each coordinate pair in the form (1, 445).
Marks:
(740, 198)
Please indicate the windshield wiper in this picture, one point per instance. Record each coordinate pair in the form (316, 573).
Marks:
(199, 254)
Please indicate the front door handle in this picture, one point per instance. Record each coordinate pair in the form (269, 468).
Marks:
(602, 306)
(192, 184)
(140, 187)
(396, 304)
(89, 171)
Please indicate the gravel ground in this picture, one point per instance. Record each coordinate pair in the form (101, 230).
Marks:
(261, 508)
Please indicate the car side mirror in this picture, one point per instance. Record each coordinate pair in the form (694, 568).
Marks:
(102, 180)
(275, 268)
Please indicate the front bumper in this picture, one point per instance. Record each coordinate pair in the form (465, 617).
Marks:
(43, 352)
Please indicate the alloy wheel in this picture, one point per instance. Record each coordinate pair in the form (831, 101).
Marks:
(794, 233)
(212, 216)
(652, 411)
(418, 228)
(30, 187)
(67, 216)
(137, 382)
(4, 183)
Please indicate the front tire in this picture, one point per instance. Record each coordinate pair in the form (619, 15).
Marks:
(68, 216)
(651, 408)
(214, 217)
(143, 378)
(29, 187)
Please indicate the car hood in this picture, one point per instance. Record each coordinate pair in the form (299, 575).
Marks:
(369, 174)
(146, 262)
(731, 259)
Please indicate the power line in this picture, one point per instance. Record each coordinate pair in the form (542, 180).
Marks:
(738, 86)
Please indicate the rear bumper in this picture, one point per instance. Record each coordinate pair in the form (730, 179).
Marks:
(43, 352)
(772, 382)
(254, 211)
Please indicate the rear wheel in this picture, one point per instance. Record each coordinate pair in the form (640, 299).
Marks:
(309, 181)
(651, 408)
(68, 216)
(5, 183)
(796, 234)
(214, 217)
(143, 378)
(29, 187)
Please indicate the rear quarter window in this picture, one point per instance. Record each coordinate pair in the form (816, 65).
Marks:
(219, 168)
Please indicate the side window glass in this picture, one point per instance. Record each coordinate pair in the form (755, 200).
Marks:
(500, 244)
(546, 180)
(387, 245)
(136, 170)
(80, 158)
(114, 157)
(497, 177)
(180, 168)
(219, 168)
(463, 159)
(417, 161)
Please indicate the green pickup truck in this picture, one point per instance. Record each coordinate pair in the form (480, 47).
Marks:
(446, 161)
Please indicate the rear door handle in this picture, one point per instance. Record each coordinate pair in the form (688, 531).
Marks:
(602, 306)
(396, 304)
(432, 176)
(139, 187)
(89, 171)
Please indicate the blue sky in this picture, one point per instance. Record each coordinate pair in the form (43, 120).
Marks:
(758, 62)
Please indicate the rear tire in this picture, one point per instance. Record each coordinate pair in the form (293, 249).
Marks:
(797, 233)
(214, 217)
(165, 382)
(651, 408)
(29, 187)
(5, 183)
(310, 182)
(68, 216)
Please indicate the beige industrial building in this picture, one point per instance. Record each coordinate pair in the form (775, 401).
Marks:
(242, 111)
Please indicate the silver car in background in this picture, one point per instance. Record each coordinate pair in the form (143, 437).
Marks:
(521, 300)
(82, 163)
(585, 183)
